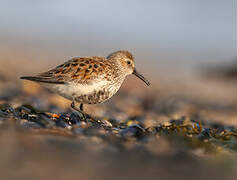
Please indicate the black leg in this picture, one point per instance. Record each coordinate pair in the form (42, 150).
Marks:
(79, 109)
(76, 108)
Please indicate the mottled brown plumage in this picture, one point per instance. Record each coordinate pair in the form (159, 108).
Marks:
(89, 80)
(80, 70)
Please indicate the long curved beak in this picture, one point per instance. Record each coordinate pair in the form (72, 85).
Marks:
(140, 76)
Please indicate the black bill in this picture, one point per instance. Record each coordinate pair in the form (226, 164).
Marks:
(140, 76)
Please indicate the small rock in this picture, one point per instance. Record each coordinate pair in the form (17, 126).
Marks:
(133, 131)
(75, 118)
(205, 134)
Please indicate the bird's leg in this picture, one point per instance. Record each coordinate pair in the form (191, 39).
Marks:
(76, 108)
(81, 107)
(85, 115)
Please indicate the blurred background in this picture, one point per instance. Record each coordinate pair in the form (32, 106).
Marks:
(169, 39)
(186, 48)
(161, 34)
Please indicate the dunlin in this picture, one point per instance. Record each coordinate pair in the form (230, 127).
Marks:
(89, 80)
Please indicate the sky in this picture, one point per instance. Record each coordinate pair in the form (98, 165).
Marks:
(160, 33)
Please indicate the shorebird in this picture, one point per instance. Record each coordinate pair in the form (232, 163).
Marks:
(89, 80)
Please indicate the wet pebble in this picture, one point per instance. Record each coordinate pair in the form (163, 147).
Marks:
(106, 123)
(75, 118)
(205, 134)
(32, 115)
(134, 130)
(63, 120)
(6, 110)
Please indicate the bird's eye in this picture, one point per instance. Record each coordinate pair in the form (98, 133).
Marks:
(128, 62)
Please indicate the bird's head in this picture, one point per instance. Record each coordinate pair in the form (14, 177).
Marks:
(126, 62)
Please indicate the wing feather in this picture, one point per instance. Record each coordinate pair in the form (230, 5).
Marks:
(41, 79)
(79, 70)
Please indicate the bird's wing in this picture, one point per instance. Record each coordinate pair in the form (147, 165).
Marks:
(80, 70)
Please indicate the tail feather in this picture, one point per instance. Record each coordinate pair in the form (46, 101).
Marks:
(42, 79)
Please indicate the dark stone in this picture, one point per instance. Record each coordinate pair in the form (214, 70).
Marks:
(205, 134)
(75, 118)
(69, 119)
(6, 109)
(133, 131)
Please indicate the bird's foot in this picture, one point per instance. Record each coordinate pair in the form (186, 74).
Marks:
(85, 115)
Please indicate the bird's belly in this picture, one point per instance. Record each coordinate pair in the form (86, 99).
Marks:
(99, 95)
(87, 94)
(64, 90)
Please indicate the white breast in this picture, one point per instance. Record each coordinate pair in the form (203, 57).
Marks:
(72, 90)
